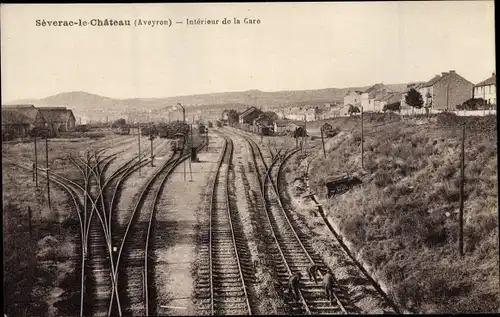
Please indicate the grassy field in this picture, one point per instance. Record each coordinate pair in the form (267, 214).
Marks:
(34, 264)
(37, 266)
(403, 218)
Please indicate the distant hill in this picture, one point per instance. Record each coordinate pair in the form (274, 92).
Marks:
(84, 103)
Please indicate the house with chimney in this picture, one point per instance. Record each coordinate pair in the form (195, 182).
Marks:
(444, 92)
(370, 98)
(487, 90)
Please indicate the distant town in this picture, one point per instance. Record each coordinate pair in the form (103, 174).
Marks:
(448, 91)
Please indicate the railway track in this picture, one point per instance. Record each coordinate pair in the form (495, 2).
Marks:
(100, 264)
(94, 243)
(296, 255)
(132, 251)
(222, 280)
(96, 248)
(132, 277)
(293, 254)
(97, 265)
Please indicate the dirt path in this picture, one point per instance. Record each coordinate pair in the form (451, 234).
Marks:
(179, 214)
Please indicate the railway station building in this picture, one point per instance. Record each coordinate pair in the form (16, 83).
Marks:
(19, 120)
(250, 114)
(59, 119)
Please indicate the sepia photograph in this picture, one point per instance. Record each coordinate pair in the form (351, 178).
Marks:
(264, 158)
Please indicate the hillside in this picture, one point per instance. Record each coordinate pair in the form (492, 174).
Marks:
(82, 101)
(403, 218)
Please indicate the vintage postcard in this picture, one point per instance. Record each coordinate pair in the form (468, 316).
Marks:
(249, 158)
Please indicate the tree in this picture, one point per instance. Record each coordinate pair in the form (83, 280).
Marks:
(395, 106)
(232, 117)
(414, 99)
(353, 109)
(271, 115)
(119, 123)
(473, 104)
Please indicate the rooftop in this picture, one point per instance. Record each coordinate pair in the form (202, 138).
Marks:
(12, 116)
(490, 81)
(56, 114)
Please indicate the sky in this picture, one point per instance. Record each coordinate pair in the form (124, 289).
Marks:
(295, 46)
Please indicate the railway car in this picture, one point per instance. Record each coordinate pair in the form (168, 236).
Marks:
(201, 128)
(122, 130)
(177, 143)
(149, 131)
(163, 133)
(265, 131)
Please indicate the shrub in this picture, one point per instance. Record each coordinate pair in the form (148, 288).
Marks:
(473, 104)
(410, 197)
(353, 109)
(395, 106)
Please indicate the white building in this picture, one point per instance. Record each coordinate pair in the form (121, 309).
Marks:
(487, 89)
(371, 97)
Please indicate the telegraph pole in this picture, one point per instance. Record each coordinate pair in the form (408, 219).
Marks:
(296, 139)
(47, 165)
(304, 140)
(206, 135)
(192, 153)
(139, 144)
(447, 92)
(323, 142)
(362, 139)
(461, 241)
(184, 148)
(29, 220)
(151, 138)
(36, 164)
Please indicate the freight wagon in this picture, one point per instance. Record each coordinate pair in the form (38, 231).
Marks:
(201, 128)
(177, 143)
(121, 130)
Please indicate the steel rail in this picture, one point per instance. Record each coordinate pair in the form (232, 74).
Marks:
(232, 229)
(173, 165)
(262, 196)
(127, 171)
(139, 201)
(276, 190)
(220, 160)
